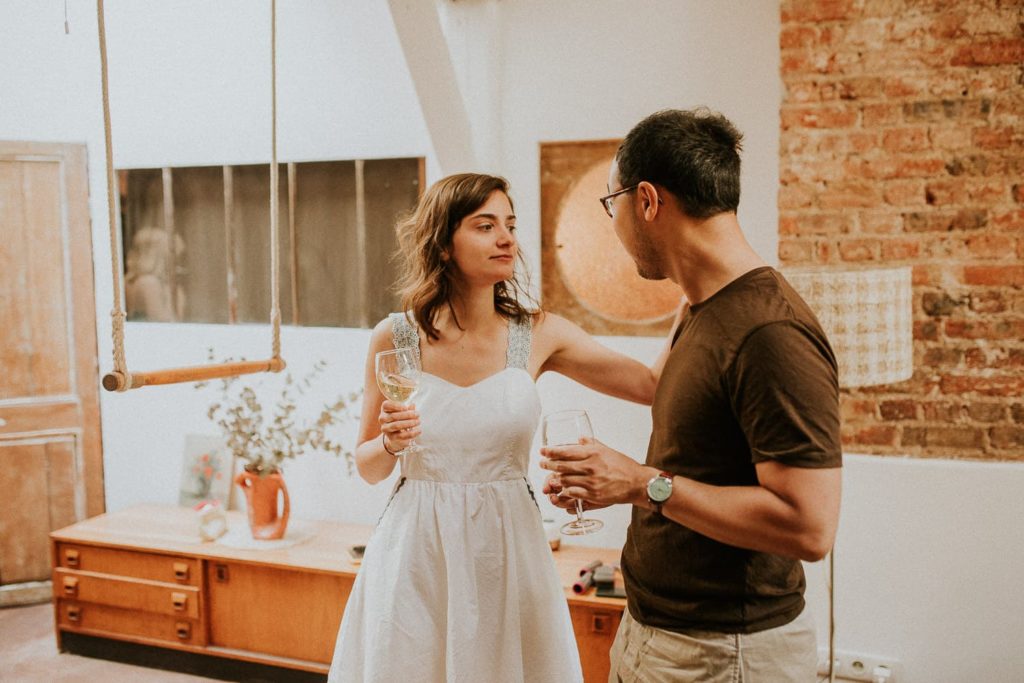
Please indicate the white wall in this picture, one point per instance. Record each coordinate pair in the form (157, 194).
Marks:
(928, 568)
(927, 549)
(580, 70)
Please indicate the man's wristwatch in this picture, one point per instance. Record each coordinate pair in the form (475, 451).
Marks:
(659, 489)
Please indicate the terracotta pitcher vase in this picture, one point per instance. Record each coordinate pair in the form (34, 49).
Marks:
(265, 522)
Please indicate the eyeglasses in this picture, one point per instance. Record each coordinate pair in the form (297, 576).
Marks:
(606, 201)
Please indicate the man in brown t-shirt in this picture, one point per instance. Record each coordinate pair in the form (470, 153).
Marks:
(742, 477)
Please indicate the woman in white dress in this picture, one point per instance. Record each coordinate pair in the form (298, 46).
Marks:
(457, 582)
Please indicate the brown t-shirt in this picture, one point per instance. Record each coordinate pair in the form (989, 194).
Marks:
(750, 378)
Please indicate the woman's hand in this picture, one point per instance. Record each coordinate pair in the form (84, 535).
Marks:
(399, 423)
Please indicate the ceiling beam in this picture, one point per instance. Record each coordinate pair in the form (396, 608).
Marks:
(433, 75)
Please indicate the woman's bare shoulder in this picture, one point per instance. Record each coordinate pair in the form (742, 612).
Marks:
(546, 322)
(382, 336)
(551, 325)
(552, 333)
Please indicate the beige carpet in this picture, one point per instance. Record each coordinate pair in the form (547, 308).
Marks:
(28, 652)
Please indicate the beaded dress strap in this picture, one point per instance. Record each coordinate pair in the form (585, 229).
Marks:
(519, 338)
(403, 334)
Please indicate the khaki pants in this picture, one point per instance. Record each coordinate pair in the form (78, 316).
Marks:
(642, 654)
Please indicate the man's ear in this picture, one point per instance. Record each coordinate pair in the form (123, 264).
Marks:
(650, 202)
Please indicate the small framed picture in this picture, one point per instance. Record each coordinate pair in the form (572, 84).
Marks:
(207, 471)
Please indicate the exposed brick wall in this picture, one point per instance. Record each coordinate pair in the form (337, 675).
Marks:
(903, 143)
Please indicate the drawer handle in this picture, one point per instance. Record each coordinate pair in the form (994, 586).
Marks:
(70, 586)
(183, 629)
(600, 622)
(179, 600)
(74, 613)
(71, 557)
(221, 572)
(181, 571)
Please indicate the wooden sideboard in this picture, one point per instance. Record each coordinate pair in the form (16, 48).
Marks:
(142, 575)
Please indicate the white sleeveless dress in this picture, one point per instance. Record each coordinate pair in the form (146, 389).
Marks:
(458, 582)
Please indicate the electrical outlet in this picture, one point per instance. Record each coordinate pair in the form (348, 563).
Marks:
(856, 666)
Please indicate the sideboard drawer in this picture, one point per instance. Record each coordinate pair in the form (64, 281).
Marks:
(95, 619)
(148, 596)
(166, 568)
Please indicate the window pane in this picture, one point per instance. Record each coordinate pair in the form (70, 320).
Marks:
(149, 266)
(199, 221)
(250, 228)
(325, 229)
(392, 189)
(345, 240)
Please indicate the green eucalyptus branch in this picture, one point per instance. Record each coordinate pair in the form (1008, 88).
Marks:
(263, 441)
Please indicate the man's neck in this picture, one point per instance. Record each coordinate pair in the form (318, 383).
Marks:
(708, 254)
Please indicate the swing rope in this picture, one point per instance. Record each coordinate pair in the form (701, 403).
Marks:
(120, 379)
(117, 314)
(275, 285)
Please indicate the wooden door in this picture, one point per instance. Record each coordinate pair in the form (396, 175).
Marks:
(51, 470)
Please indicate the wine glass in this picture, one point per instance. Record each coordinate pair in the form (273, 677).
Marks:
(568, 428)
(398, 376)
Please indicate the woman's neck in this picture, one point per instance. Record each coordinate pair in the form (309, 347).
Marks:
(473, 309)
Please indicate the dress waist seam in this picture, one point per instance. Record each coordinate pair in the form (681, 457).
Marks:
(466, 483)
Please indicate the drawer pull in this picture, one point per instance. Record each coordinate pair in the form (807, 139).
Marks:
(70, 586)
(71, 557)
(181, 571)
(74, 613)
(600, 622)
(179, 600)
(221, 572)
(183, 629)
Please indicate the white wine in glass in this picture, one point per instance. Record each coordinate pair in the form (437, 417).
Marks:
(398, 388)
(569, 428)
(398, 377)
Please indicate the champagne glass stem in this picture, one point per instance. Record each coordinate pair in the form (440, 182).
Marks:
(579, 511)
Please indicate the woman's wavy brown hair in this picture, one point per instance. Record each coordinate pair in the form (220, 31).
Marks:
(428, 280)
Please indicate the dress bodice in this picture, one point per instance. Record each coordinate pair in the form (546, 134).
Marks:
(477, 433)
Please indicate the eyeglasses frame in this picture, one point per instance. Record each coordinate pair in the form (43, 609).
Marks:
(605, 200)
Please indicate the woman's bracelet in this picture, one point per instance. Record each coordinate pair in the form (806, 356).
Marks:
(384, 441)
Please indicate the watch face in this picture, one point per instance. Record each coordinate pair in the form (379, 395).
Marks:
(659, 489)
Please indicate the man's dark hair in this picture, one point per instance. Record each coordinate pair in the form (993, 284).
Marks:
(693, 154)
